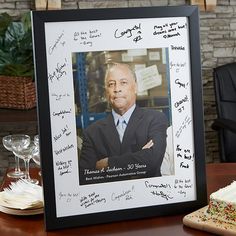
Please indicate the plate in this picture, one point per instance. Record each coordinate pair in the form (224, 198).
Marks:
(21, 198)
(201, 220)
(10, 203)
(12, 211)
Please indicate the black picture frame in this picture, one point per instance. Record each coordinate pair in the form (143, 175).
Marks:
(46, 25)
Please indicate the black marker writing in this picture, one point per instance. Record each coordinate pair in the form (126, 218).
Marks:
(64, 149)
(168, 30)
(128, 32)
(181, 85)
(61, 113)
(58, 72)
(91, 199)
(173, 24)
(133, 32)
(57, 137)
(178, 148)
(180, 104)
(161, 190)
(64, 167)
(149, 185)
(88, 43)
(185, 155)
(181, 192)
(183, 165)
(138, 38)
(64, 131)
(94, 34)
(182, 186)
(162, 194)
(171, 35)
(182, 48)
(86, 37)
(80, 35)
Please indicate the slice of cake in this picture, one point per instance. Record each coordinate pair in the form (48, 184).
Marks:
(222, 204)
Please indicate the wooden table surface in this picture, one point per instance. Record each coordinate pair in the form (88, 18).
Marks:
(218, 175)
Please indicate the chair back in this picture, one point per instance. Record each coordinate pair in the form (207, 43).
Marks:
(225, 92)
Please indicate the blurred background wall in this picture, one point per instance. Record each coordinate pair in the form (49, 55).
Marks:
(218, 41)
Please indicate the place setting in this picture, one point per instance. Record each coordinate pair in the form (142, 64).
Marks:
(24, 195)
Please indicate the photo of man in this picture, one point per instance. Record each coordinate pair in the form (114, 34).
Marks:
(130, 142)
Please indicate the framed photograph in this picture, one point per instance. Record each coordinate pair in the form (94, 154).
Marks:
(120, 113)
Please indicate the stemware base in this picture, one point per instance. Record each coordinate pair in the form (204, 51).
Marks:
(16, 174)
(32, 181)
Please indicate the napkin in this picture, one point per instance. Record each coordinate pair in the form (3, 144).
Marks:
(22, 195)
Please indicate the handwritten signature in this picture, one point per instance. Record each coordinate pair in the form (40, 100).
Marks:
(187, 120)
(64, 131)
(161, 194)
(91, 199)
(64, 149)
(168, 30)
(181, 102)
(177, 66)
(58, 72)
(61, 113)
(125, 194)
(181, 84)
(57, 42)
(128, 33)
(59, 97)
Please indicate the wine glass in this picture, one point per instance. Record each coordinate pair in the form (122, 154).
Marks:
(36, 152)
(26, 154)
(16, 142)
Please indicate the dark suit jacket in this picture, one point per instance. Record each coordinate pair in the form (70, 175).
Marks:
(127, 160)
